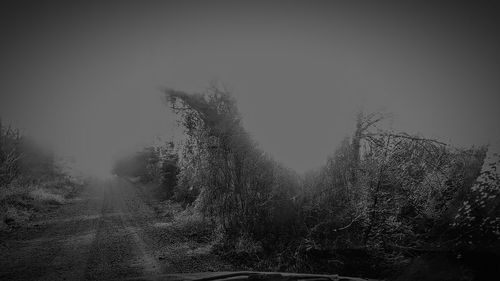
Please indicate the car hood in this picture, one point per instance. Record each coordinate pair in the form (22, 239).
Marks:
(246, 275)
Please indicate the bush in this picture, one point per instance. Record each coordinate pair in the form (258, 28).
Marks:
(21, 201)
(193, 226)
(45, 196)
(382, 197)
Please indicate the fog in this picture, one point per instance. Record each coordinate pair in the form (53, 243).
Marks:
(86, 78)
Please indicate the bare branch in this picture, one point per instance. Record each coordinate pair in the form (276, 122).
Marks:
(405, 136)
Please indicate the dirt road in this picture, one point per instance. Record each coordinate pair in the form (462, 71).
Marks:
(109, 232)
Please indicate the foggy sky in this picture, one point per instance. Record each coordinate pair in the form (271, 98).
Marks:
(85, 77)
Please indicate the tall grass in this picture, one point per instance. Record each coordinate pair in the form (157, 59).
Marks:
(21, 202)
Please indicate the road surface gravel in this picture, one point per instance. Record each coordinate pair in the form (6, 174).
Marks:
(110, 232)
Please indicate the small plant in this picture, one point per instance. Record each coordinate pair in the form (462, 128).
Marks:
(44, 195)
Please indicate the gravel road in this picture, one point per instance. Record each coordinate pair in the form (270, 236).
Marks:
(109, 232)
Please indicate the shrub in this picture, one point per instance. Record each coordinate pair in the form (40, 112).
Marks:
(193, 226)
(44, 195)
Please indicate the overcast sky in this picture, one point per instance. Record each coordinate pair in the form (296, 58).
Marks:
(85, 77)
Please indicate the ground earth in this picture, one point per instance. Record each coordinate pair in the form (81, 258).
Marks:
(113, 229)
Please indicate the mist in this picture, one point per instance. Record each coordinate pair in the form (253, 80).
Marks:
(249, 140)
(85, 78)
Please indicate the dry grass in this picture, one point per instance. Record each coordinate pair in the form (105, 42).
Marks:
(19, 202)
(45, 195)
(193, 226)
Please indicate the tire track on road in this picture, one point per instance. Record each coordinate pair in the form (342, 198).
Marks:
(119, 249)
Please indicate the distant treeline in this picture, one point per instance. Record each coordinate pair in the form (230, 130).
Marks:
(31, 179)
(152, 164)
(383, 199)
(23, 159)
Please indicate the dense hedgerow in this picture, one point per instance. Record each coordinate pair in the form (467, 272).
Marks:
(382, 199)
